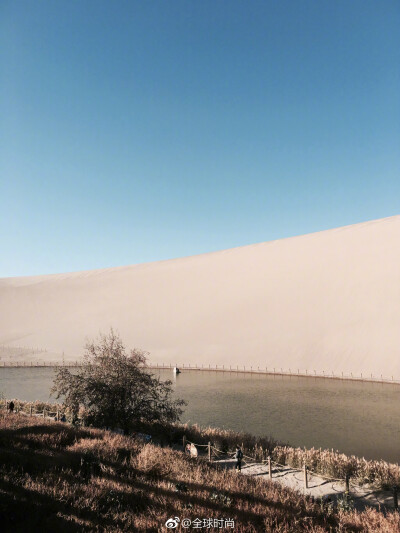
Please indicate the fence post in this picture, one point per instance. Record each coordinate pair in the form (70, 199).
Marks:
(209, 452)
(269, 468)
(305, 477)
(347, 483)
(58, 415)
(184, 443)
(30, 410)
(44, 412)
(395, 499)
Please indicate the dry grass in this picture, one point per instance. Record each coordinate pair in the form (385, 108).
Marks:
(55, 477)
(326, 462)
(334, 464)
(38, 406)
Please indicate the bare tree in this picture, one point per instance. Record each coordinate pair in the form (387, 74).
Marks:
(116, 388)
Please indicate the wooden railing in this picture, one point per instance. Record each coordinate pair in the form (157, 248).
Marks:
(271, 371)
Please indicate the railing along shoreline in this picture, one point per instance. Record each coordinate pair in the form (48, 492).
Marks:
(237, 369)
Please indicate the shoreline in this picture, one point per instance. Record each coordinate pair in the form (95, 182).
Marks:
(324, 463)
(302, 479)
(211, 368)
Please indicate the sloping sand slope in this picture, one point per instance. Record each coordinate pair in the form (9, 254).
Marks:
(327, 301)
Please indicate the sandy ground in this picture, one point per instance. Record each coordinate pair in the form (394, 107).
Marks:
(324, 302)
(317, 486)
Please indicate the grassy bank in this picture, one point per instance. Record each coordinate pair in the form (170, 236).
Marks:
(324, 462)
(55, 477)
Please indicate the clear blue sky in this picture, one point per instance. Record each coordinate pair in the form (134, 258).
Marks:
(133, 131)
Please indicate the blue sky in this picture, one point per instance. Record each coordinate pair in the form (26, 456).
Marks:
(138, 131)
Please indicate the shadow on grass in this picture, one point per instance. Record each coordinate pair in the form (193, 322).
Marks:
(47, 488)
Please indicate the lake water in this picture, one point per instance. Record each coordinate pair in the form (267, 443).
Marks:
(352, 417)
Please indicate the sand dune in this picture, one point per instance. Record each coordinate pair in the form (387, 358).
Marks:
(328, 301)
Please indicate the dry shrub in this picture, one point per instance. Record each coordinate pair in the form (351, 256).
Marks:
(152, 461)
(369, 521)
(105, 446)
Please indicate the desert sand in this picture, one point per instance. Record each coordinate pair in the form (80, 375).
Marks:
(324, 302)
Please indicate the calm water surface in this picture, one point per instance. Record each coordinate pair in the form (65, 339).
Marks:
(354, 418)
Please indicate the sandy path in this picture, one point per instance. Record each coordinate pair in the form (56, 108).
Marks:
(318, 487)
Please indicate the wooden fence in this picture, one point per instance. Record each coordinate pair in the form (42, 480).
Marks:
(39, 364)
(212, 451)
(274, 371)
(239, 369)
(31, 411)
